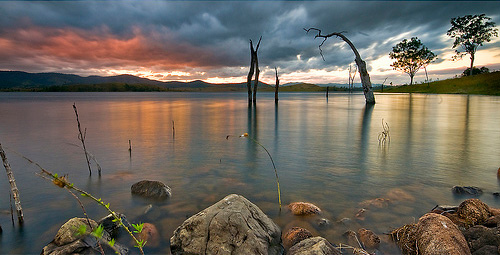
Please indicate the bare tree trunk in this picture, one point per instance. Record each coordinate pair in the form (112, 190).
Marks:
(411, 79)
(256, 81)
(471, 63)
(277, 86)
(363, 72)
(250, 73)
(13, 186)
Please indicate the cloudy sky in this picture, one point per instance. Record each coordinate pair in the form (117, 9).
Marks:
(191, 40)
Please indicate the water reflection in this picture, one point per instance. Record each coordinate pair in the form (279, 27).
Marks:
(326, 152)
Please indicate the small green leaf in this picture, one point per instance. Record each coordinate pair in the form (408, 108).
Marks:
(56, 175)
(84, 195)
(81, 230)
(71, 185)
(112, 242)
(107, 206)
(114, 220)
(98, 231)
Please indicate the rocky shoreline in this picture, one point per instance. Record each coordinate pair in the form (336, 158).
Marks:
(234, 225)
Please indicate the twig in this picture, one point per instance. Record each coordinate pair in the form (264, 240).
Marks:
(272, 161)
(81, 137)
(13, 186)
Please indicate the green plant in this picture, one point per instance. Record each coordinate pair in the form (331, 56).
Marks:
(62, 182)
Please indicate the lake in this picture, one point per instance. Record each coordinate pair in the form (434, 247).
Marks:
(326, 152)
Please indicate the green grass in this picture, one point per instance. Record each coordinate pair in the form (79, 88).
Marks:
(481, 84)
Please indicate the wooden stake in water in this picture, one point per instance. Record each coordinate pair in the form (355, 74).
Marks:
(13, 186)
(173, 129)
(130, 148)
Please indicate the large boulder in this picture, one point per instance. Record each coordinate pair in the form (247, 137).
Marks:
(434, 234)
(233, 225)
(68, 240)
(313, 246)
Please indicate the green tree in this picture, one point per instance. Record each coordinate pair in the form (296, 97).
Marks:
(470, 32)
(410, 56)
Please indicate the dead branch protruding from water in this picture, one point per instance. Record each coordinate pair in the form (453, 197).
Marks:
(81, 137)
(13, 186)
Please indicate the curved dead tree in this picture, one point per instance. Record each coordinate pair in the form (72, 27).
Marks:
(363, 73)
(254, 68)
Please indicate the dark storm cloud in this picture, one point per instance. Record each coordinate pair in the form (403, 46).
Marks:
(214, 36)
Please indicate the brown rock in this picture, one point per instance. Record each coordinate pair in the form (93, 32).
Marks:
(352, 239)
(294, 236)
(369, 239)
(150, 234)
(473, 211)
(434, 234)
(303, 208)
(494, 211)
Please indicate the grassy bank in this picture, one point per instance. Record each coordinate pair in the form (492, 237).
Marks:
(481, 84)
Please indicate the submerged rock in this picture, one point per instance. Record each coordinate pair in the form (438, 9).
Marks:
(369, 239)
(233, 225)
(149, 234)
(303, 208)
(151, 189)
(376, 203)
(313, 246)
(434, 234)
(467, 190)
(294, 236)
(111, 226)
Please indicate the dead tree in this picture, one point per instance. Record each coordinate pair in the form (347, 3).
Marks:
(363, 73)
(277, 86)
(13, 186)
(254, 68)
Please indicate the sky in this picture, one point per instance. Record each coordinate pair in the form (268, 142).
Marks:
(209, 40)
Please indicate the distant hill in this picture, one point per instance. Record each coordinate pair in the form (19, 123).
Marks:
(482, 84)
(21, 81)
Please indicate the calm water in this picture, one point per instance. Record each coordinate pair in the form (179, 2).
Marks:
(326, 152)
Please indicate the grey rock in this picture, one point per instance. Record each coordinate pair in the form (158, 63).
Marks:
(481, 236)
(313, 246)
(112, 227)
(233, 225)
(151, 189)
(467, 190)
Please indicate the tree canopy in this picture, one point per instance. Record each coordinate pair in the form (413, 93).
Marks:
(470, 32)
(410, 56)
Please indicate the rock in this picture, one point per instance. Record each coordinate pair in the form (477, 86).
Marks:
(68, 241)
(434, 234)
(467, 190)
(112, 227)
(150, 234)
(493, 221)
(151, 189)
(352, 239)
(473, 211)
(487, 250)
(233, 225)
(376, 202)
(313, 246)
(498, 173)
(303, 208)
(369, 239)
(480, 236)
(295, 235)
(360, 215)
(67, 233)
(494, 211)
(322, 223)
